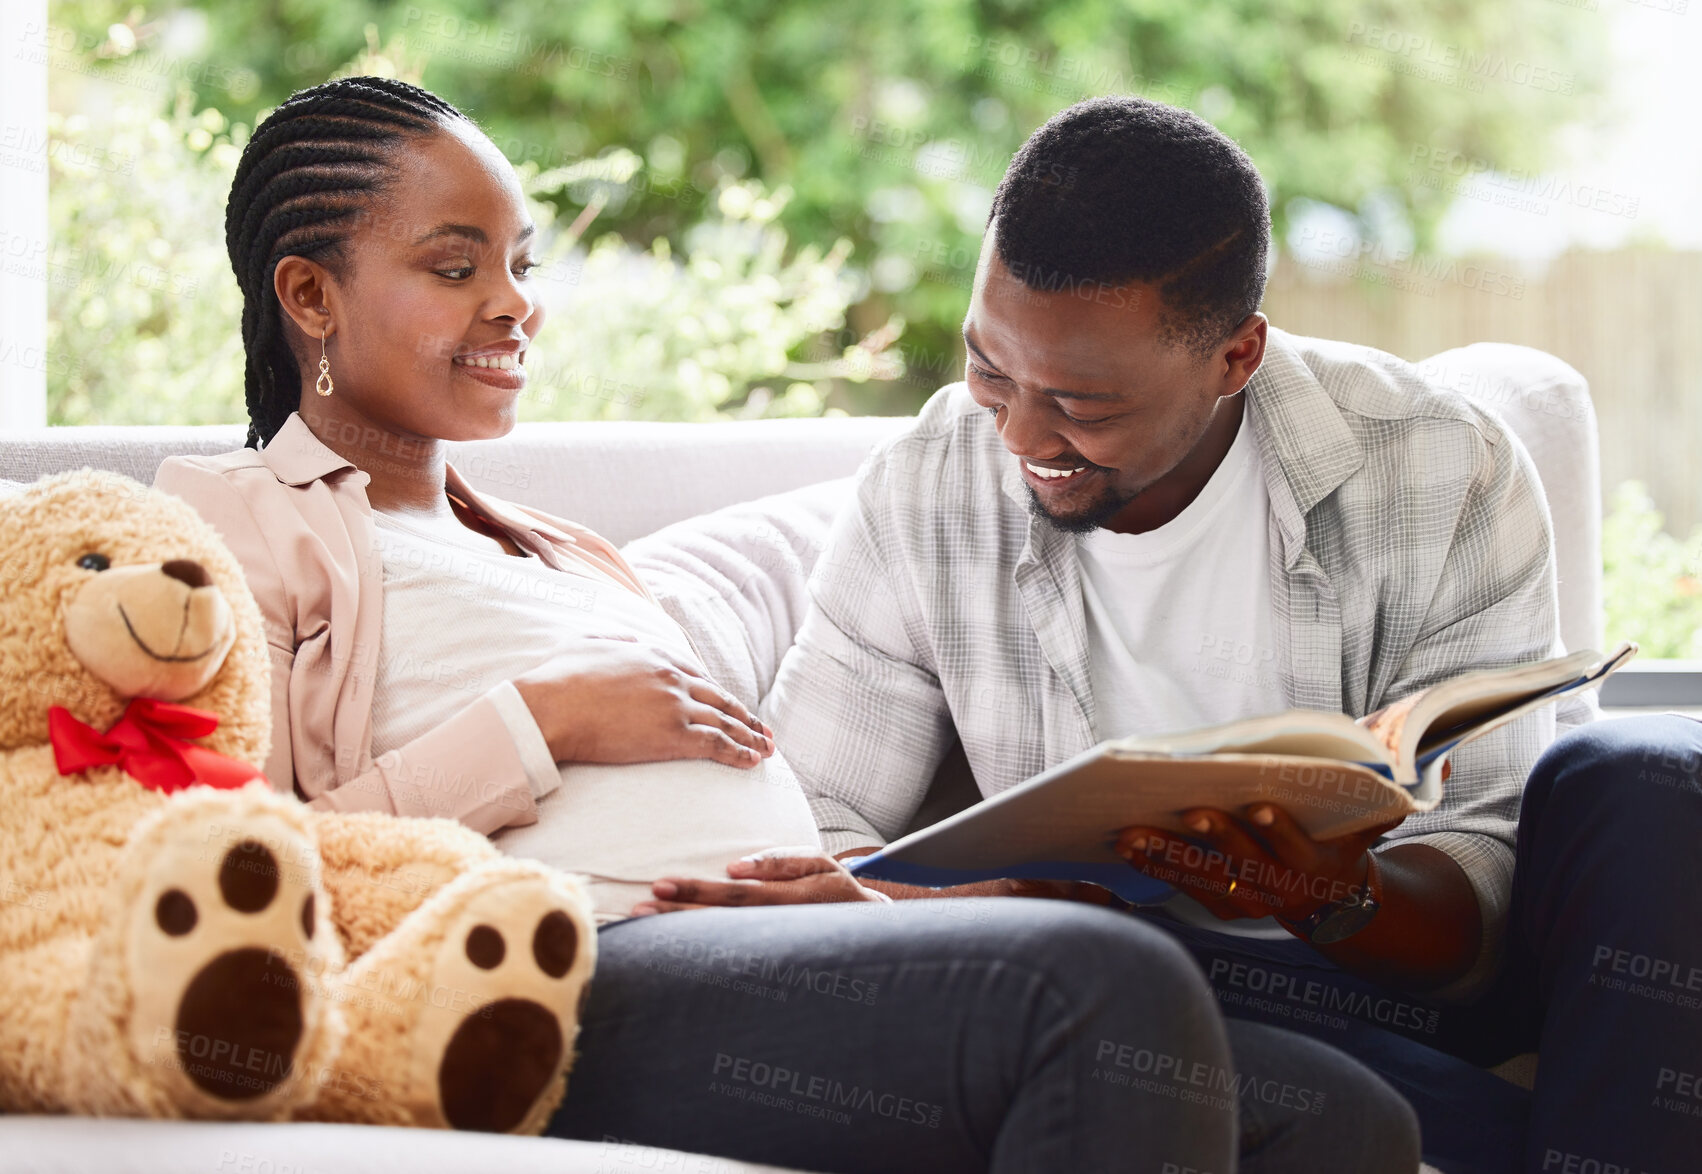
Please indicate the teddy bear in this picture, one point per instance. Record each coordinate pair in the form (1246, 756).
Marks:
(180, 939)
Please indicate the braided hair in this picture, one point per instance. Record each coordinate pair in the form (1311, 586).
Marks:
(312, 167)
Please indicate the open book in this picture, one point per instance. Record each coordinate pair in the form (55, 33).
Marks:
(1333, 774)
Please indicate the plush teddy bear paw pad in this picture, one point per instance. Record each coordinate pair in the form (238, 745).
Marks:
(520, 951)
(225, 944)
(484, 982)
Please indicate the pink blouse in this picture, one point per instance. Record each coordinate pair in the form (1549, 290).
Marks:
(296, 516)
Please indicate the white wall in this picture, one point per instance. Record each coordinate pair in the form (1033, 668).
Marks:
(23, 213)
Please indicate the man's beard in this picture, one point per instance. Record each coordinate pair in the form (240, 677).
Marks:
(1108, 506)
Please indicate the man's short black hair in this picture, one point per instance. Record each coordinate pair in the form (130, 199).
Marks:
(1122, 189)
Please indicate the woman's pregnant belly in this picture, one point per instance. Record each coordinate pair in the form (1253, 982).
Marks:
(626, 826)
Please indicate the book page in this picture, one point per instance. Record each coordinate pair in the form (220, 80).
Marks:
(1308, 733)
(1389, 723)
(1469, 706)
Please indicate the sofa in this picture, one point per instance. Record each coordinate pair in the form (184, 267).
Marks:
(780, 482)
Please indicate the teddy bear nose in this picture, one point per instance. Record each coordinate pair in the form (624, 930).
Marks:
(186, 571)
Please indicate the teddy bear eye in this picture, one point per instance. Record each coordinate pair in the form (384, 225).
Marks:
(94, 562)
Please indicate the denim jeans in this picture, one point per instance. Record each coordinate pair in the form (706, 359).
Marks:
(966, 1035)
(1603, 976)
(1471, 1121)
(1608, 948)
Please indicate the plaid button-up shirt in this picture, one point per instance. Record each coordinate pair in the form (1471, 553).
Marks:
(1410, 542)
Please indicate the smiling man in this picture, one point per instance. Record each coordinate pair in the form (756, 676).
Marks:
(1145, 509)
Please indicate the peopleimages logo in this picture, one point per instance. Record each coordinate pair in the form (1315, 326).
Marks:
(1672, 981)
(1678, 1092)
(1455, 172)
(781, 1084)
(1197, 1077)
(1567, 1163)
(1279, 987)
(1345, 253)
(1474, 65)
(1661, 971)
(775, 974)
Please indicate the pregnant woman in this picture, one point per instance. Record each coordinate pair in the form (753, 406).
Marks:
(438, 652)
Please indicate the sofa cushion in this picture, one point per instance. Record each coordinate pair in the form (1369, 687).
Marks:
(1546, 404)
(628, 479)
(622, 479)
(46, 1145)
(735, 579)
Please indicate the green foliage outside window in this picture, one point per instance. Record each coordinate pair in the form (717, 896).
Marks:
(143, 315)
(1652, 581)
(890, 121)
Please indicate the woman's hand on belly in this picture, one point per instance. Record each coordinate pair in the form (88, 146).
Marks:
(781, 876)
(618, 701)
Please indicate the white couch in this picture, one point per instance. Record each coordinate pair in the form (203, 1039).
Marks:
(626, 480)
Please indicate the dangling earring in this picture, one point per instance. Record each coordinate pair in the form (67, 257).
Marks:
(323, 384)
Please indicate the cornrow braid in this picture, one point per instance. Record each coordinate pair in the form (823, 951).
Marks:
(313, 165)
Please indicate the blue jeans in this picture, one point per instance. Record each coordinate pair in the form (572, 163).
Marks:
(1608, 947)
(1471, 1121)
(1603, 974)
(941, 1036)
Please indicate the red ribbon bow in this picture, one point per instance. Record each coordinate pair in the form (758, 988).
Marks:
(151, 743)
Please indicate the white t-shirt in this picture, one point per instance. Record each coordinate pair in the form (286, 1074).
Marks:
(1181, 629)
(462, 620)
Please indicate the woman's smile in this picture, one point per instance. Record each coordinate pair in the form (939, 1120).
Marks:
(503, 366)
